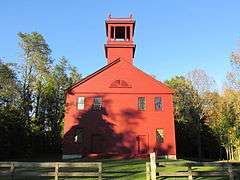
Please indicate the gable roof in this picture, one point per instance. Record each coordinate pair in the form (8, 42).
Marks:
(157, 81)
(93, 74)
(169, 90)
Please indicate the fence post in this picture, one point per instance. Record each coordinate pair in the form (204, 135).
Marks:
(56, 171)
(230, 172)
(153, 166)
(148, 171)
(100, 171)
(12, 170)
(190, 177)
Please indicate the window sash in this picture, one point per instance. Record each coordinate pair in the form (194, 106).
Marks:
(160, 135)
(80, 103)
(158, 103)
(97, 102)
(141, 103)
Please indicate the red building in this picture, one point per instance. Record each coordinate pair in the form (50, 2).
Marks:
(119, 109)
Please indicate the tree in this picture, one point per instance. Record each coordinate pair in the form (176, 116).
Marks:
(201, 81)
(194, 136)
(43, 86)
(32, 106)
(13, 130)
(213, 109)
(36, 69)
(74, 75)
(202, 84)
(233, 76)
(185, 114)
(230, 123)
(222, 111)
(9, 89)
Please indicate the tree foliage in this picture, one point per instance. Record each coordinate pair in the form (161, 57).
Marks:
(192, 135)
(201, 81)
(32, 105)
(207, 122)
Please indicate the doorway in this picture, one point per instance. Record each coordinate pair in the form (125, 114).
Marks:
(97, 143)
(142, 144)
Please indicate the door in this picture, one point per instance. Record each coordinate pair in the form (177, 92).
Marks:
(159, 141)
(97, 143)
(142, 144)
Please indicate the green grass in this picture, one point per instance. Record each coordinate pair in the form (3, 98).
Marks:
(126, 170)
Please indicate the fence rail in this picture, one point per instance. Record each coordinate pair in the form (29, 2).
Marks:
(153, 169)
(54, 169)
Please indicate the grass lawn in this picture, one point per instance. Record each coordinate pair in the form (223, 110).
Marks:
(126, 170)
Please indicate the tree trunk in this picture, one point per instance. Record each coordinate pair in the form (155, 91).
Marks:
(227, 151)
(199, 139)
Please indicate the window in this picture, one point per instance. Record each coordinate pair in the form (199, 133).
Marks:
(141, 103)
(158, 103)
(78, 137)
(120, 33)
(97, 103)
(80, 103)
(160, 135)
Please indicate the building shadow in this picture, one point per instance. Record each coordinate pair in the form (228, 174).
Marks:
(97, 133)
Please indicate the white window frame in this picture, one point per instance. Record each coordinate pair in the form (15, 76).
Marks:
(97, 105)
(161, 103)
(160, 135)
(140, 108)
(80, 102)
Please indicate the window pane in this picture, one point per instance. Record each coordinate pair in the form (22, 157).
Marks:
(80, 103)
(141, 103)
(158, 103)
(97, 102)
(160, 135)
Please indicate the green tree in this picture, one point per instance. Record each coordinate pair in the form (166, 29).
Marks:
(13, 130)
(32, 106)
(37, 67)
(183, 98)
(74, 76)
(194, 137)
(43, 86)
(229, 129)
(185, 115)
(9, 89)
(202, 84)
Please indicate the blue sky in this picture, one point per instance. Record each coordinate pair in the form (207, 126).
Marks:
(172, 37)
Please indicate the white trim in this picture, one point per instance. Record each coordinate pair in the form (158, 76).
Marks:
(80, 102)
(168, 157)
(71, 156)
(172, 157)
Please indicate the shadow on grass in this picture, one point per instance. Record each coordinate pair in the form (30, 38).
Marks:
(119, 174)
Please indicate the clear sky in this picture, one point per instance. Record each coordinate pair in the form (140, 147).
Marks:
(172, 37)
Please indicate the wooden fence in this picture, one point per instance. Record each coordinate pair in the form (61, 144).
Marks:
(153, 169)
(54, 169)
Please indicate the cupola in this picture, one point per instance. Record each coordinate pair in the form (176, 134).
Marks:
(120, 44)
